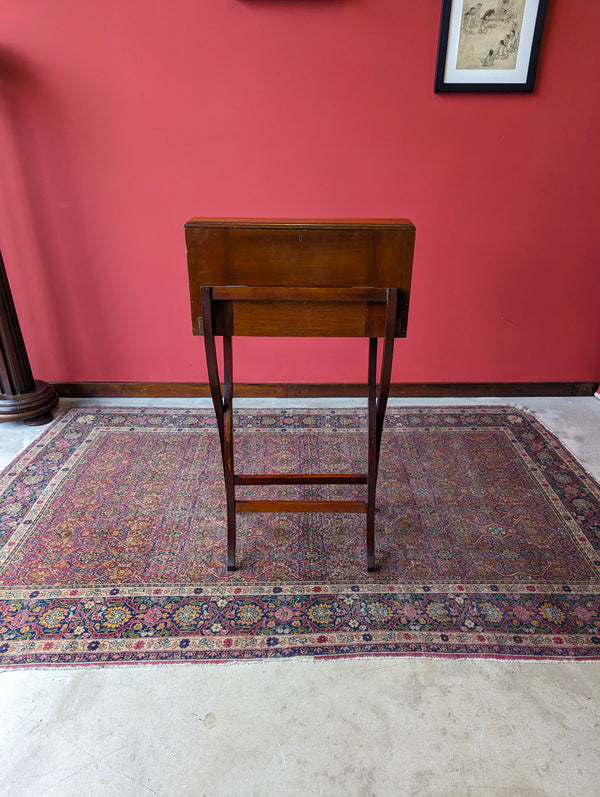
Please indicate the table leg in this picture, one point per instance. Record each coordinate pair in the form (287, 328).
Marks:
(223, 412)
(228, 461)
(376, 416)
(372, 455)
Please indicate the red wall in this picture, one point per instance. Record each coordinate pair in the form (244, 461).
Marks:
(120, 120)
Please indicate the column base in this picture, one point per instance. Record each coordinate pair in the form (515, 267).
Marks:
(33, 408)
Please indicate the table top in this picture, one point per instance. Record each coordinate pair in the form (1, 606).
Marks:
(267, 223)
(295, 254)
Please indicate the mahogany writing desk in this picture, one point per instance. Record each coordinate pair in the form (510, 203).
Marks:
(308, 278)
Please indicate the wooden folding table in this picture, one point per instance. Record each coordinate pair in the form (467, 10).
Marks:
(308, 278)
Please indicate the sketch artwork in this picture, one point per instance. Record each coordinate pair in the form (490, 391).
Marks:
(489, 34)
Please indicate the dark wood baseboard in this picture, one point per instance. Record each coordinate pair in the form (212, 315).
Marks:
(323, 390)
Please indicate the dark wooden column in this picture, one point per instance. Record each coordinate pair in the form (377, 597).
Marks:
(22, 397)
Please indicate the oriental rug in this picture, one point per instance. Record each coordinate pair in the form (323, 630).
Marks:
(112, 544)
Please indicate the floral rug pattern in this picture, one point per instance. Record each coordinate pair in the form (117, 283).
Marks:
(112, 540)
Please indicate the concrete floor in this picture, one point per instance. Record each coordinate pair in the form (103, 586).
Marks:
(373, 726)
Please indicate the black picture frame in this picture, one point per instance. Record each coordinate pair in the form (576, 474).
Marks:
(466, 36)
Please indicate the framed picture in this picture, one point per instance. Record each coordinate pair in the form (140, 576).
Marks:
(489, 45)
